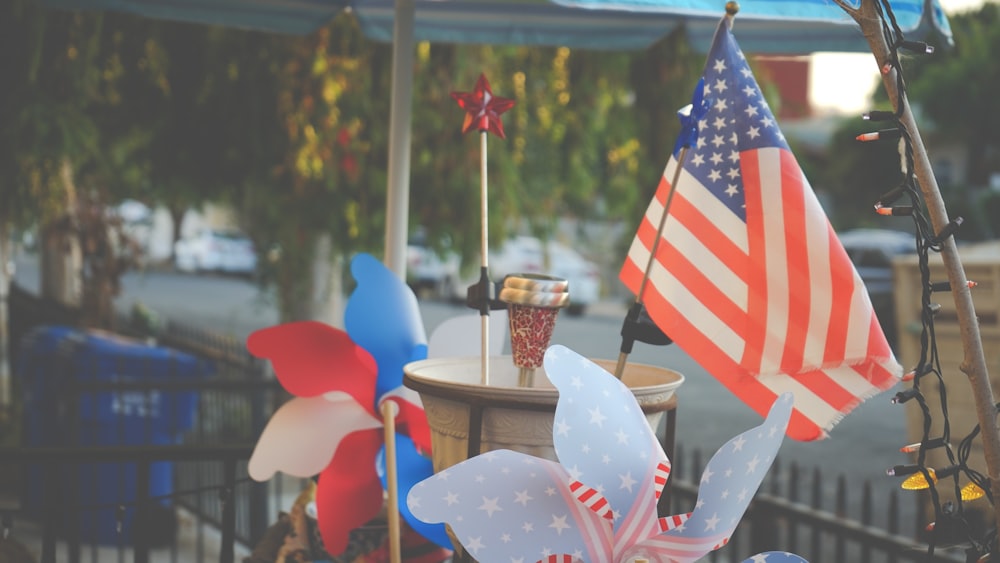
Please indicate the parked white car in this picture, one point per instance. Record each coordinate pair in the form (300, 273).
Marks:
(216, 250)
(525, 254)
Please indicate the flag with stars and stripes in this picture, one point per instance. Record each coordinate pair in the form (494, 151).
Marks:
(598, 502)
(749, 277)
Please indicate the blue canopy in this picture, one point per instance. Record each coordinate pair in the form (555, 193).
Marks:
(763, 26)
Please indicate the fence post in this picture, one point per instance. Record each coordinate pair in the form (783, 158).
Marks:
(260, 512)
(228, 553)
(141, 520)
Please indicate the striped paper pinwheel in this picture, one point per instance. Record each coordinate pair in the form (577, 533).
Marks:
(598, 503)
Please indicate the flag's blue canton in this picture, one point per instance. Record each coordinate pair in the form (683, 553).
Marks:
(738, 120)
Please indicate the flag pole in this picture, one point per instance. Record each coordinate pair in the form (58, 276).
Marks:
(636, 309)
(974, 361)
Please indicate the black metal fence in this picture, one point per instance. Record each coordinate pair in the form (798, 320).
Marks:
(208, 482)
(795, 511)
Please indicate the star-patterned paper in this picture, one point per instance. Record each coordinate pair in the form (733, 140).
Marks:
(482, 108)
(775, 557)
(598, 503)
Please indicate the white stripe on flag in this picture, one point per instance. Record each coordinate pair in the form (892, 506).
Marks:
(776, 259)
(821, 295)
(807, 403)
(703, 318)
(852, 381)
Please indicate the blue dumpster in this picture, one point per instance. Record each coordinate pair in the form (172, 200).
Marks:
(53, 357)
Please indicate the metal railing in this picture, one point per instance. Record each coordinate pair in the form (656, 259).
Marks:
(209, 476)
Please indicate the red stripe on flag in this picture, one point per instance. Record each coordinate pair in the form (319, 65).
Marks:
(799, 284)
(843, 288)
(703, 288)
(707, 231)
(745, 386)
(878, 346)
(755, 333)
(823, 386)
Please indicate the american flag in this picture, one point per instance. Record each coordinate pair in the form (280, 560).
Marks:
(749, 277)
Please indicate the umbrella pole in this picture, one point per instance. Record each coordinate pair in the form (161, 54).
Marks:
(400, 125)
(974, 361)
(389, 411)
(623, 355)
(484, 247)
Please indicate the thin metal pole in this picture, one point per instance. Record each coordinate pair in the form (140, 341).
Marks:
(681, 157)
(484, 248)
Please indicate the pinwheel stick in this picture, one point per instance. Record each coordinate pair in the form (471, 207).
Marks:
(634, 329)
(389, 411)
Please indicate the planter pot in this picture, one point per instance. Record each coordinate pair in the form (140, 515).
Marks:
(503, 415)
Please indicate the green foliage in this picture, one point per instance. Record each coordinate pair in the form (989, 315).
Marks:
(293, 131)
(955, 89)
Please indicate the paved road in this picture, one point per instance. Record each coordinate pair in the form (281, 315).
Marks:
(862, 446)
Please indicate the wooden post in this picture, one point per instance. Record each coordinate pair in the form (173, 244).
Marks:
(389, 411)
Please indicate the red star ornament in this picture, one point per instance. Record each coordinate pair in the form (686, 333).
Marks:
(482, 108)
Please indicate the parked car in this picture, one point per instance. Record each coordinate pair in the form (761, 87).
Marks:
(429, 271)
(872, 252)
(525, 254)
(216, 250)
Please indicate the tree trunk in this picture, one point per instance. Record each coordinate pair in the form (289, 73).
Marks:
(61, 256)
(5, 257)
(177, 213)
(311, 288)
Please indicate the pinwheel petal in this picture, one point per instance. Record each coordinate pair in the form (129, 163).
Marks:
(382, 316)
(349, 493)
(311, 358)
(775, 557)
(601, 432)
(462, 335)
(728, 484)
(410, 419)
(411, 468)
(303, 434)
(504, 506)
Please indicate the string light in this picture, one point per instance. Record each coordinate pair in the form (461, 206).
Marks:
(878, 115)
(917, 47)
(898, 211)
(902, 470)
(930, 444)
(903, 396)
(972, 491)
(946, 286)
(949, 230)
(881, 135)
(890, 196)
(918, 372)
(918, 482)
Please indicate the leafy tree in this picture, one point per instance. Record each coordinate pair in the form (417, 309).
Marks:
(955, 89)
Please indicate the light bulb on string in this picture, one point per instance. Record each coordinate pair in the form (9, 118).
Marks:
(972, 491)
(917, 481)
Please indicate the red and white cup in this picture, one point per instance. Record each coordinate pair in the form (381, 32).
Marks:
(533, 303)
